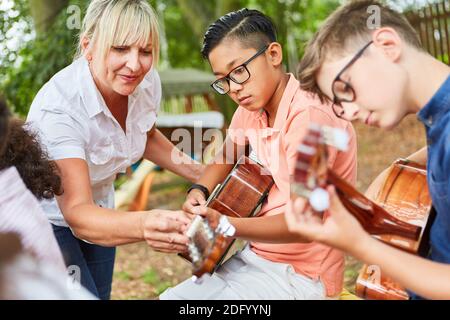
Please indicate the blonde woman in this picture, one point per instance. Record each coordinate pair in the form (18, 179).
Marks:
(96, 117)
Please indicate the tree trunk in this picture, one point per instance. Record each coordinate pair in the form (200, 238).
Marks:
(198, 15)
(225, 6)
(44, 13)
(201, 14)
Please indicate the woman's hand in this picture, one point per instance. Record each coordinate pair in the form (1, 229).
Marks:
(194, 198)
(163, 230)
(338, 228)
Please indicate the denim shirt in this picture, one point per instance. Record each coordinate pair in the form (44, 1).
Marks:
(436, 118)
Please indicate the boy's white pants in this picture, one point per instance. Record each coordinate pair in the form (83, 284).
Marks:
(246, 276)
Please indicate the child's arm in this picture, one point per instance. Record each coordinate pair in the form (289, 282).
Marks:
(218, 169)
(419, 156)
(424, 277)
(167, 153)
(341, 230)
(268, 229)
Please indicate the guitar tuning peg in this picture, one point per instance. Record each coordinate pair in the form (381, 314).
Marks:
(196, 280)
(319, 199)
(193, 252)
(210, 234)
(336, 137)
(195, 258)
(207, 228)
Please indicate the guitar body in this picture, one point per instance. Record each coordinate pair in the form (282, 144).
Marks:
(241, 195)
(243, 191)
(405, 196)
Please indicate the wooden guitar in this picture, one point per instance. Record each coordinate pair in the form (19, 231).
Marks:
(240, 195)
(399, 216)
(405, 195)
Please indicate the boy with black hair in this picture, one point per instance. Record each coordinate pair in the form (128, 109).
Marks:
(378, 76)
(272, 117)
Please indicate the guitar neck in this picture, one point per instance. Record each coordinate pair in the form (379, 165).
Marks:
(371, 216)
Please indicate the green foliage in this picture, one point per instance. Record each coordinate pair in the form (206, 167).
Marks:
(120, 181)
(161, 287)
(152, 278)
(16, 16)
(40, 59)
(123, 275)
(26, 68)
(183, 47)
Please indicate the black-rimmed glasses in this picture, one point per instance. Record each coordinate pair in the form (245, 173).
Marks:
(238, 75)
(343, 90)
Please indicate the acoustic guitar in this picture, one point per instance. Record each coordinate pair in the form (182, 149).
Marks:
(404, 195)
(400, 216)
(240, 195)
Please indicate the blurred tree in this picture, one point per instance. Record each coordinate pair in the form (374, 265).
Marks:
(44, 12)
(200, 14)
(295, 21)
(47, 43)
(51, 48)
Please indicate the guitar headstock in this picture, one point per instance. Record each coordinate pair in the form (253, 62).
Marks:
(207, 235)
(310, 175)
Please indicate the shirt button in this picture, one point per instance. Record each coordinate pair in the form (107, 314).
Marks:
(430, 120)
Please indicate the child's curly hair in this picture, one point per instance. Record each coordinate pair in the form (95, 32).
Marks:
(24, 152)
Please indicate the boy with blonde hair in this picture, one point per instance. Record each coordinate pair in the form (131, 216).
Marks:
(378, 75)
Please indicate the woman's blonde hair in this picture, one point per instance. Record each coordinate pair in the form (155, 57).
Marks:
(109, 23)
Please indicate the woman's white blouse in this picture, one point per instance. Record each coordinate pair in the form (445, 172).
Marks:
(73, 121)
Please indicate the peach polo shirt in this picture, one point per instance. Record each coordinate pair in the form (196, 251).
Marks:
(275, 147)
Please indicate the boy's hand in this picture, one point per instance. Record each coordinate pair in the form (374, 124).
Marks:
(194, 198)
(338, 228)
(213, 216)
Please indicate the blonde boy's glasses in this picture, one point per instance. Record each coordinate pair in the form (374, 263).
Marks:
(238, 75)
(343, 90)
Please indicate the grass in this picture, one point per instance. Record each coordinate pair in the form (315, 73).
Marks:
(123, 276)
(151, 277)
(141, 273)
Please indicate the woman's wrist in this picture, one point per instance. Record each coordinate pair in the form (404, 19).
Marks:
(142, 221)
(195, 172)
